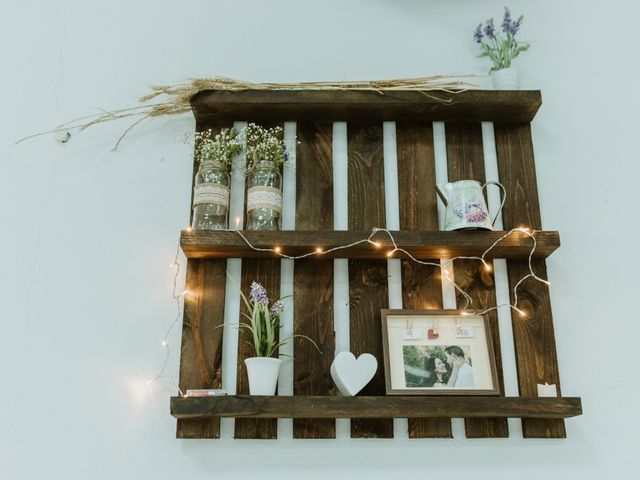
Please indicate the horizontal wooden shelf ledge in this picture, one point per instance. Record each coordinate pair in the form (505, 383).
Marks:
(344, 105)
(422, 245)
(374, 407)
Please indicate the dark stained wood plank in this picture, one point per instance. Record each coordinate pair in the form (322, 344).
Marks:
(421, 285)
(201, 349)
(374, 407)
(313, 277)
(465, 161)
(423, 245)
(368, 285)
(351, 105)
(314, 176)
(266, 272)
(535, 347)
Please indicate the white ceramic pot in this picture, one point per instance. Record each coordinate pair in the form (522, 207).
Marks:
(263, 375)
(505, 79)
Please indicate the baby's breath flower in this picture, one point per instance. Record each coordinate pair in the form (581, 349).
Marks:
(218, 148)
(264, 144)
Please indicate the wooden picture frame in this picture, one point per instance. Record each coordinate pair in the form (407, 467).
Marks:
(428, 352)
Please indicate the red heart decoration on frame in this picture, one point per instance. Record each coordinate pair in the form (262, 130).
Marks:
(432, 334)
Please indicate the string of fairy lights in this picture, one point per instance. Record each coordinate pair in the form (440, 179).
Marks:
(178, 299)
(319, 251)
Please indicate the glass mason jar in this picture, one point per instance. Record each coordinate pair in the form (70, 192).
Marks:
(264, 197)
(211, 196)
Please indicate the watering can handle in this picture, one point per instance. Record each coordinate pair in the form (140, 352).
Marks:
(503, 196)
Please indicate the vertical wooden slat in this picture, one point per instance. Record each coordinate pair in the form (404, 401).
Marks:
(313, 277)
(201, 349)
(535, 347)
(267, 272)
(421, 287)
(465, 161)
(368, 287)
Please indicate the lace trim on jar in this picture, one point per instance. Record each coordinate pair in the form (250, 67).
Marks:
(264, 197)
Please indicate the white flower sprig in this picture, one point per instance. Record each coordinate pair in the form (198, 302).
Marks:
(265, 144)
(219, 148)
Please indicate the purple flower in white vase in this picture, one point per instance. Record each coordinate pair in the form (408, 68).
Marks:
(258, 294)
(490, 29)
(477, 35)
(501, 47)
(277, 308)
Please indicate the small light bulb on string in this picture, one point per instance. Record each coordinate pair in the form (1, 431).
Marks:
(375, 244)
(391, 252)
(277, 249)
(164, 343)
(487, 267)
(319, 251)
(237, 223)
(189, 229)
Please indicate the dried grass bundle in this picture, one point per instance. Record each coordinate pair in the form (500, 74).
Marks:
(178, 97)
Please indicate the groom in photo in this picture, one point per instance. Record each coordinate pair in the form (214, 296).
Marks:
(462, 371)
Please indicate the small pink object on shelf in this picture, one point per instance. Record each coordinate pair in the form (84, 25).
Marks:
(203, 392)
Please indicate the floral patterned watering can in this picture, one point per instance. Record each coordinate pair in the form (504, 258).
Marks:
(466, 206)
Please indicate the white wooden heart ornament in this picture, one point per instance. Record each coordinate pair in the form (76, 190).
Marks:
(351, 375)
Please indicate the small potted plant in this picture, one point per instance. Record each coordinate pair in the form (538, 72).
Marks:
(263, 326)
(266, 152)
(211, 189)
(501, 48)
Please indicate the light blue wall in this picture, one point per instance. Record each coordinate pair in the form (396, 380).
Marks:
(87, 234)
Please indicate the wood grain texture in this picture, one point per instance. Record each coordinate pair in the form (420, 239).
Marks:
(535, 347)
(368, 285)
(374, 407)
(424, 245)
(313, 277)
(201, 348)
(351, 105)
(465, 161)
(421, 285)
(266, 272)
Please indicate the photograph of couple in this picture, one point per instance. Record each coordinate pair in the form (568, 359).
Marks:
(438, 366)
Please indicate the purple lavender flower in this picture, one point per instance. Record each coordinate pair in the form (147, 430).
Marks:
(477, 35)
(258, 294)
(508, 25)
(516, 26)
(277, 308)
(490, 29)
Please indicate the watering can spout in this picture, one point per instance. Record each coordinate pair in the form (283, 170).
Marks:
(444, 191)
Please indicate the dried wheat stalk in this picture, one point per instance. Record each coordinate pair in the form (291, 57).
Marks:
(178, 97)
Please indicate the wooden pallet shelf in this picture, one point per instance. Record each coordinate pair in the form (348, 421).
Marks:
(469, 106)
(339, 176)
(247, 406)
(422, 245)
